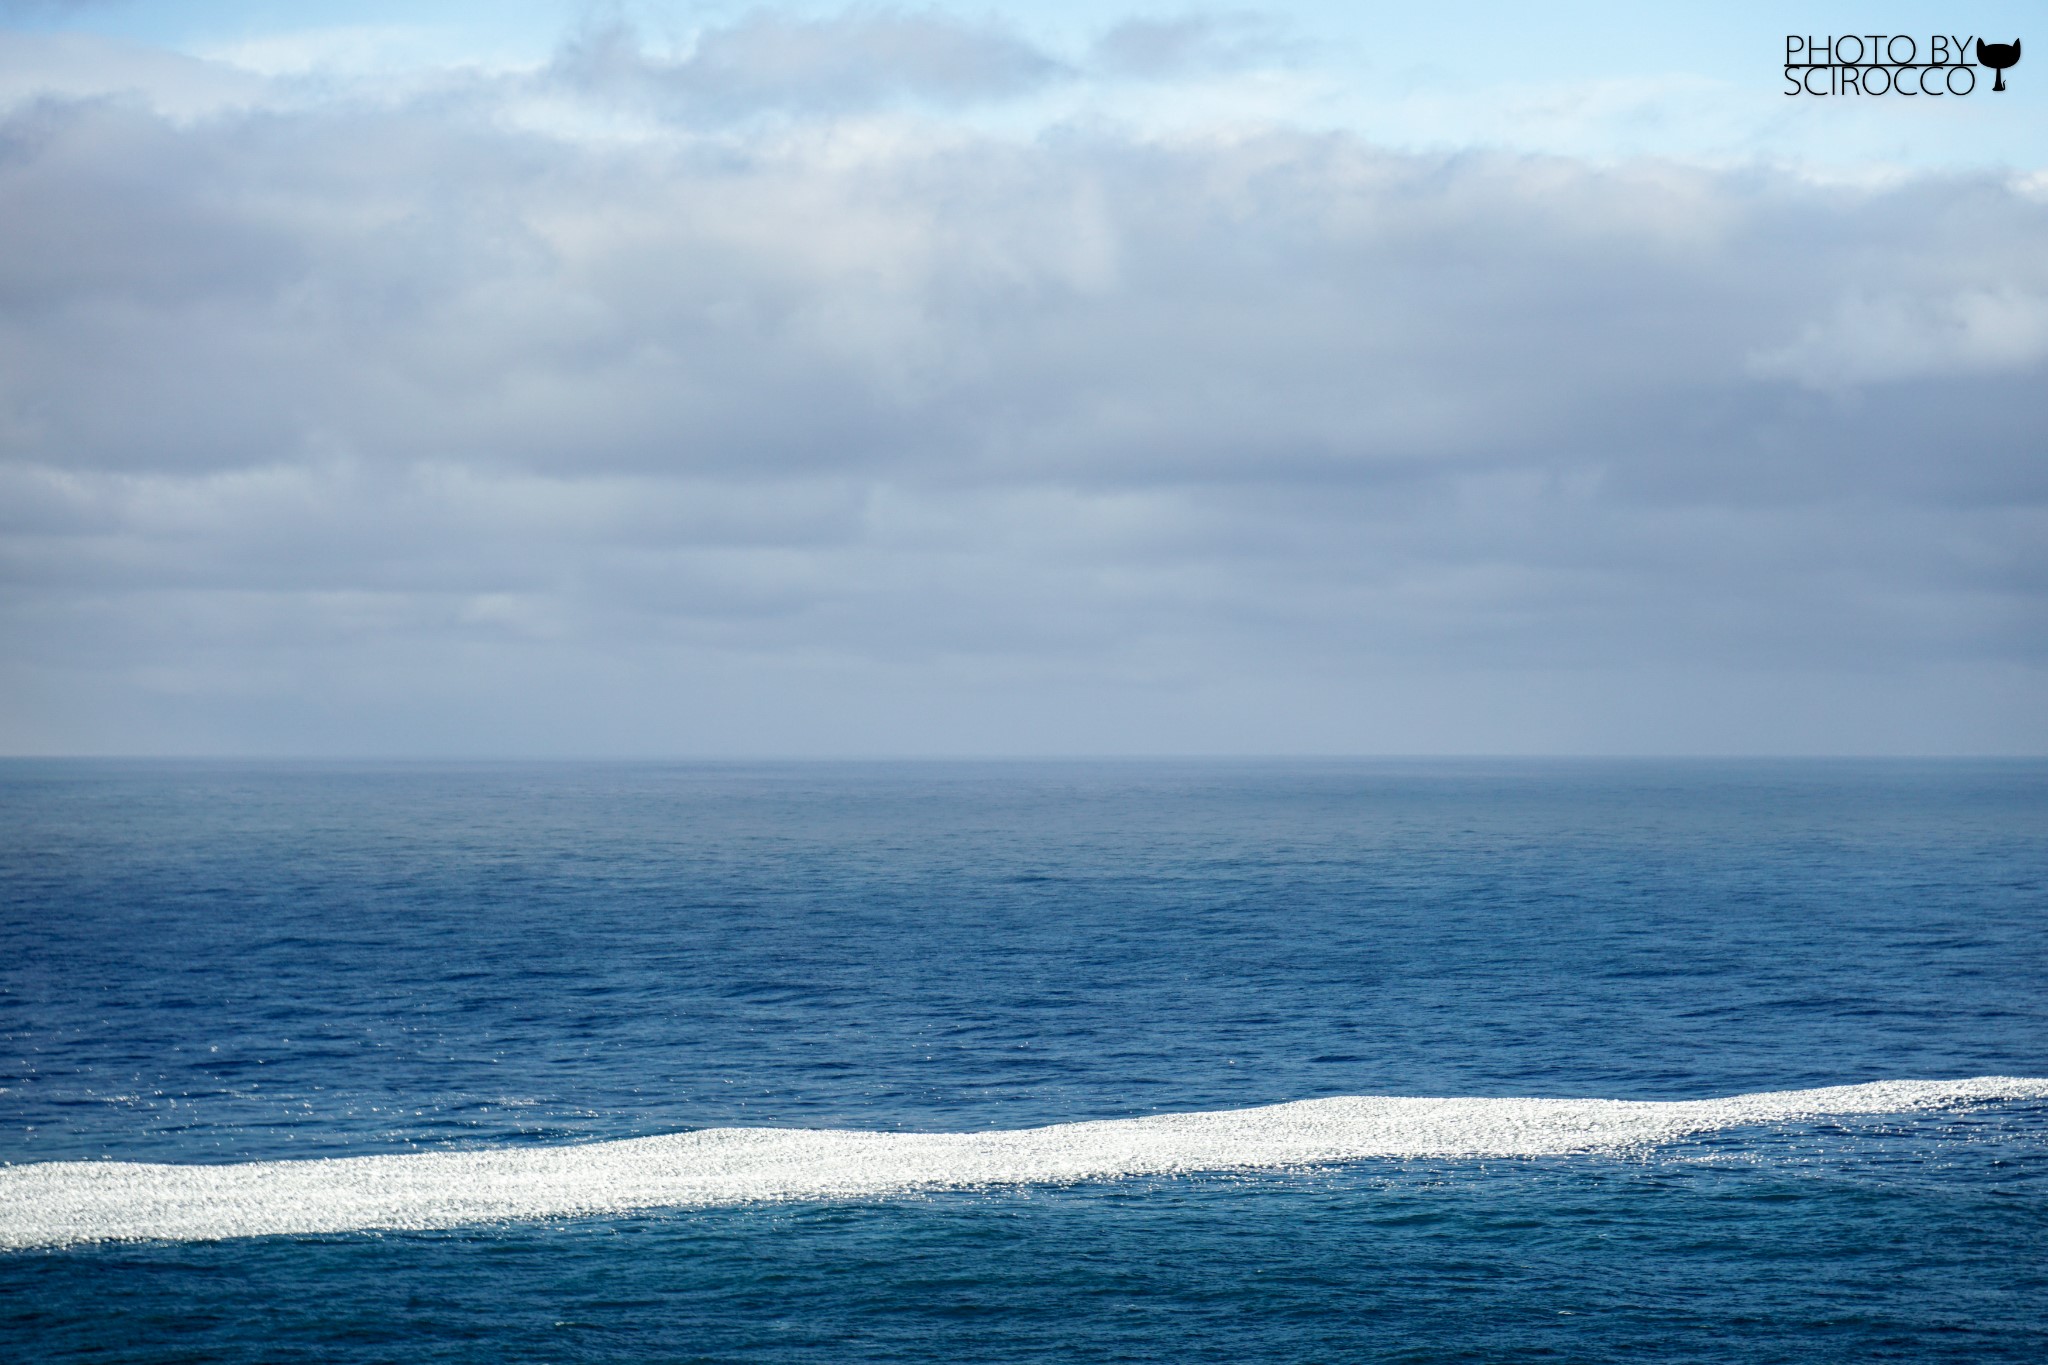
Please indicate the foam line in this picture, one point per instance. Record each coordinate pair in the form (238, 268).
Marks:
(59, 1203)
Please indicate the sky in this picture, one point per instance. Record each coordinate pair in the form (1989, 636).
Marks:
(637, 380)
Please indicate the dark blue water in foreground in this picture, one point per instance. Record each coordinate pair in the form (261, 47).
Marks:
(210, 962)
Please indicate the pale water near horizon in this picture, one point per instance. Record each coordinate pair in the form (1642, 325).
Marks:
(369, 1062)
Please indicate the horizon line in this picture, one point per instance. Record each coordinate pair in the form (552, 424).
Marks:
(996, 757)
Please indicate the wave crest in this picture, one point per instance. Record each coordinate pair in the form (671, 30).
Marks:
(62, 1203)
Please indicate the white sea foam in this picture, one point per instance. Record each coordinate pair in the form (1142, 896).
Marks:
(65, 1202)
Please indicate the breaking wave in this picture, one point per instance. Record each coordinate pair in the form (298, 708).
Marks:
(50, 1204)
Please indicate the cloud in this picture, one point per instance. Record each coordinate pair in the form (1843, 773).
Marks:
(35, 7)
(1881, 337)
(1150, 48)
(75, 66)
(354, 426)
(765, 61)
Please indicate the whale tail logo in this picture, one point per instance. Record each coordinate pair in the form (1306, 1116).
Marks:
(1998, 56)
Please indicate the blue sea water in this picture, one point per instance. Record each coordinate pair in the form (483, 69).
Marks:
(223, 963)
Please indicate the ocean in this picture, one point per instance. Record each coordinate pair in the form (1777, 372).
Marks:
(1407, 1060)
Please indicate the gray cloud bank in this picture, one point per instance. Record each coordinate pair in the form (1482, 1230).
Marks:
(402, 427)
